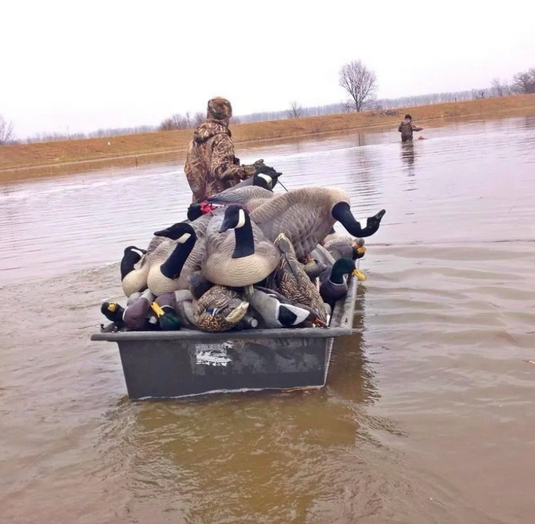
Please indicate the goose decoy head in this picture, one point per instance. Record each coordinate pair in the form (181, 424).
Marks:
(134, 250)
(194, 211)
(198, 209)
(342, 212)
(235, 218)
(112, 311)
(132, 255)
(181, 232)
(266, 180)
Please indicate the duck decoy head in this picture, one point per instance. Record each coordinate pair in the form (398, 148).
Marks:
(112, 311)
(181, 232)
(235, 218)
(358, 248)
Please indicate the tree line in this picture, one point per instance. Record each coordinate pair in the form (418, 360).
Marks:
(359, 82)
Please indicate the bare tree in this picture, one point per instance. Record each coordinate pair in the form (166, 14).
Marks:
(524, 83)
(198, 118)
(360, 83)
(176, 121)
(499, 88)
(6, 131)
(295, 111)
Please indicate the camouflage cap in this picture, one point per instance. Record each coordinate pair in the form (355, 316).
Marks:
(219, 108)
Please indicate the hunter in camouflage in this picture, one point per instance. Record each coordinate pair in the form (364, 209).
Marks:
(211, 165)
(406, 128)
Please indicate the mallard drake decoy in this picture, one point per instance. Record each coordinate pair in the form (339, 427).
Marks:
(335, 286)
(136, 313)
(165, 307)
(132, 279)
(237, 258)
(275, 310)
(135, 316)
(113, 311)
(340, 246)
(291, 281)
(219, 309)
(307, 215)
(168, 261)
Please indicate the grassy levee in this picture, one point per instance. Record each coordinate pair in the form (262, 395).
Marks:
(32, 160)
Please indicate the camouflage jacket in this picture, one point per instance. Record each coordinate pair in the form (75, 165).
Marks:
(406, 129)
(211, 165)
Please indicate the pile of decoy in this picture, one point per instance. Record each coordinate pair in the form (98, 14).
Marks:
(246, 258)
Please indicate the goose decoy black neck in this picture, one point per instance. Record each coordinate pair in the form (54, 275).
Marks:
(185, 237)
(342, 212)
(237, 218)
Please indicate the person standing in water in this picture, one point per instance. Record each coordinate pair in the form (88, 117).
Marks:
(211, 165)
(406, 128)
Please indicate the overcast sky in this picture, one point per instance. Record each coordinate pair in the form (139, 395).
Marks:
(117, 63)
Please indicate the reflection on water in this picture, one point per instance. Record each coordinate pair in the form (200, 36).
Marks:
(433, 384)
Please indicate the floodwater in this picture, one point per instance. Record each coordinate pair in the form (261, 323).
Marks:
(428, 413)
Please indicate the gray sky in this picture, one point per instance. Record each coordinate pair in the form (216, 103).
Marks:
(117, 63)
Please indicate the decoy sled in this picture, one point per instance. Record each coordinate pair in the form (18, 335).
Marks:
(175, 364)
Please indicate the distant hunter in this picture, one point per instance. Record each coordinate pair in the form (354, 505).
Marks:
(406, 128)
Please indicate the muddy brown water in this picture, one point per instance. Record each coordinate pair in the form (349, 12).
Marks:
(428, 413)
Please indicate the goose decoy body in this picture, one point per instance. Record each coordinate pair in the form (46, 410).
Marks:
(237, 253)
(307, 215)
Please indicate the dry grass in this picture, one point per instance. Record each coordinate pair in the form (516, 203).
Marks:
(30, 160)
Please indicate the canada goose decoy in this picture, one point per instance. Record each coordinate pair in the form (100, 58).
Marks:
(335, 286)
(265, 180)
(132, 255)
(133, 279)
(250, 196)
(198, 209)
(275, 310)
(307, 215)
(237, 258)
(291, 281)
(165, 273)
(219, 309)
(153, 244)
